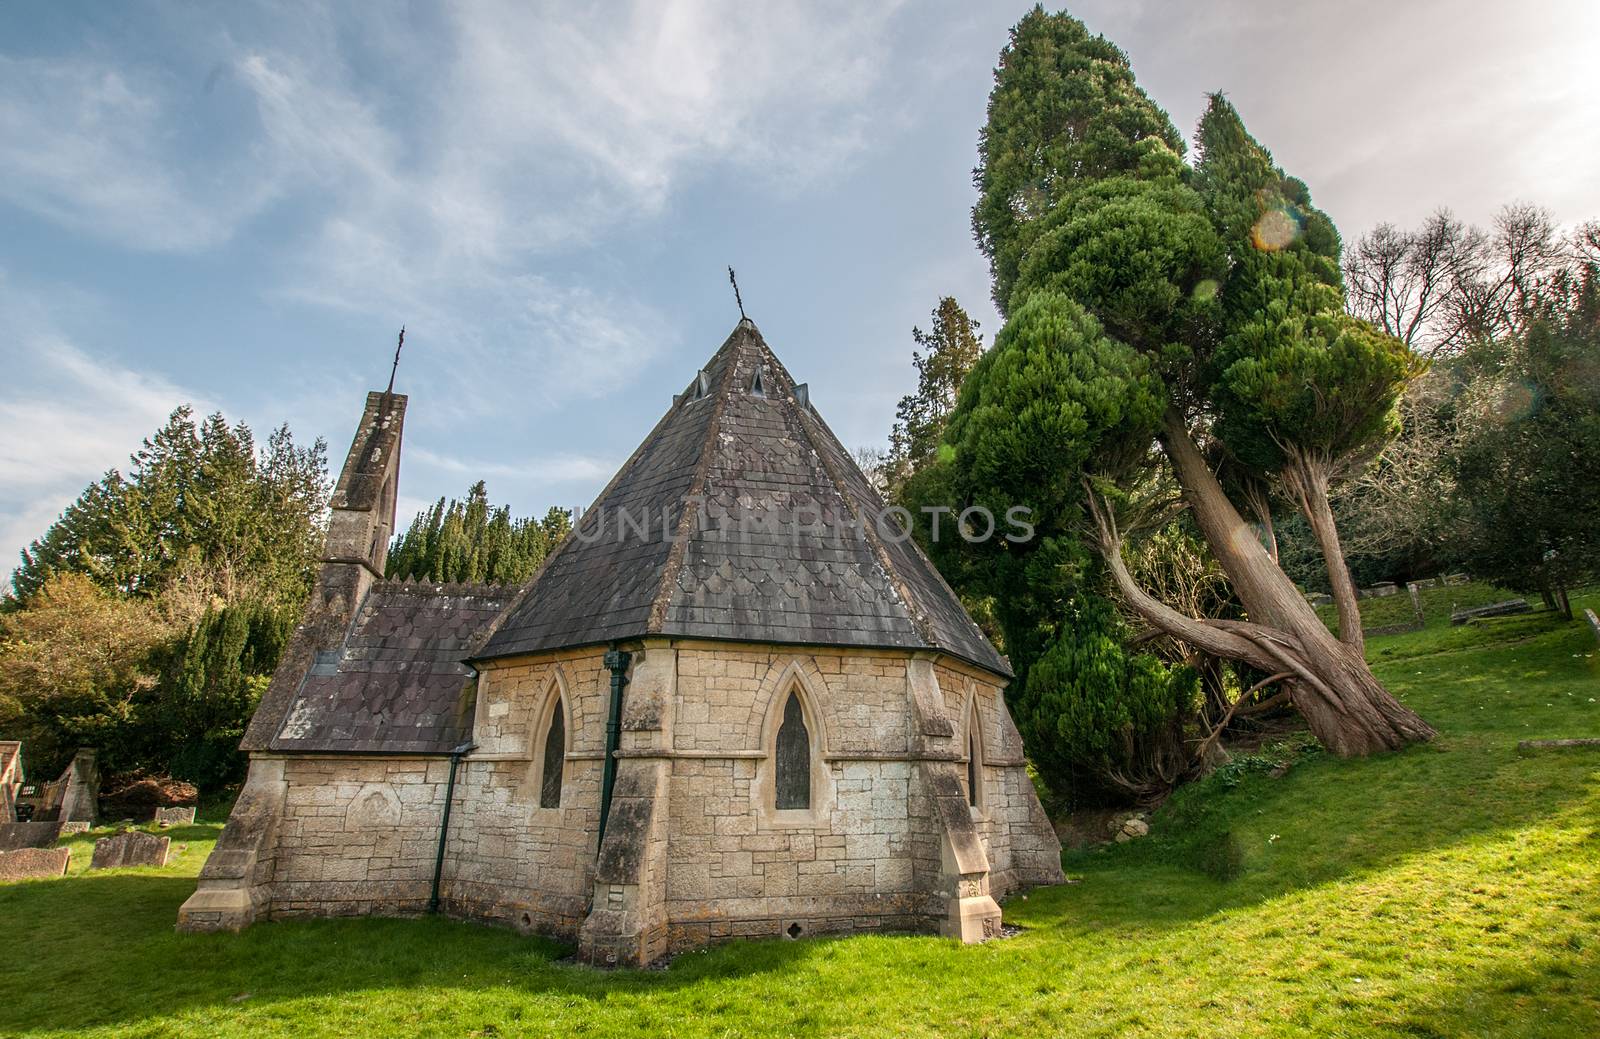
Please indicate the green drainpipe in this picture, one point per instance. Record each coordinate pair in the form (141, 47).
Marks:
(444, 822)
(617, 663)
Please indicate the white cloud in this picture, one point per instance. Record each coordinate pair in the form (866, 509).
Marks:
(90, 145)
(553, 469)
(442, 199)
(68, 417)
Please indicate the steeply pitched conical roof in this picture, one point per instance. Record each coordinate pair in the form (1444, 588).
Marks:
(740, 517)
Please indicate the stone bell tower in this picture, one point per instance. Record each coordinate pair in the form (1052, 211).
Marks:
(359, 527)
(357, 546)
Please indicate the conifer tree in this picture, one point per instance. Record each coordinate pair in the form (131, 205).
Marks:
(1303, 392)
(948, 351)
(469, 540)
(1115, 263)
(201, 508)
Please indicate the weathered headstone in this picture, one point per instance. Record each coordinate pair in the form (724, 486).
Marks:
(1497, 609)
(75, 826)
(1594, 622)
(28, 835)
(26, 863)
(132, 848)
(174, 816)
(1416, 602)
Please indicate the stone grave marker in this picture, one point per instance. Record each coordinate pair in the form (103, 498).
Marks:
(28, 835)
(175, 816)
(1594, 622)
(1497, 609)
(130, 848)
(75, 826)
(26, 863)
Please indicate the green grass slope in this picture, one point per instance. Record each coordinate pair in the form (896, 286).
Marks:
(1450, 890)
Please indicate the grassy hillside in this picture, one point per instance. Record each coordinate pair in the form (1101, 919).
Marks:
(1437, 605)
(1448, 890)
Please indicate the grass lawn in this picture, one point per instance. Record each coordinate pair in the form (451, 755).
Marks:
(1452, 889)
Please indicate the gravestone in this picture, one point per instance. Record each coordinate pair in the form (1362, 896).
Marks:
(75, 826)
(174, 816)
(1497, 609)
(26, 863)
(28, 835)
(1594, 622)
(130, 848)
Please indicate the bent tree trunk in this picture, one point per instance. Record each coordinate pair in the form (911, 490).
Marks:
(1307, 479)
(1347, 708)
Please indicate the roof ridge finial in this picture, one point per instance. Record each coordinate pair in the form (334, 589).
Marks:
(736, 298)
(396, 366)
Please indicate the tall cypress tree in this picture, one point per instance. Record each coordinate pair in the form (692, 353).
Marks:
(1287, 341)
(1087, 212)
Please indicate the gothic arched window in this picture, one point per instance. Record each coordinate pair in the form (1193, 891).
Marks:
(793, 766)
(555, 753)
(974, 759)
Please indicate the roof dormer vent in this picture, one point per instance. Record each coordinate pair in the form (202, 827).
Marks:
(702, 386)
(802, 395)
(757, 386)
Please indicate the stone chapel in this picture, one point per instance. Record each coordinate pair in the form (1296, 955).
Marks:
(731, 703)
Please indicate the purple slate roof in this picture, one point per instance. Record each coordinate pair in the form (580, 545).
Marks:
(398, 684)
(757, 526)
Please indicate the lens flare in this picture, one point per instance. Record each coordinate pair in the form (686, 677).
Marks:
(1517, 401)
(1276, 229)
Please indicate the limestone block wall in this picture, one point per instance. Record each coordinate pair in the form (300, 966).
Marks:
(356, 835)
(509, 858)
(697, 849)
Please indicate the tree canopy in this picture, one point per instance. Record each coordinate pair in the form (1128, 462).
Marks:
(468, 540)
(1150, 303)
(202, 510)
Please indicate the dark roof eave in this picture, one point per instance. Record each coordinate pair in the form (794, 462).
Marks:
(1002, 671)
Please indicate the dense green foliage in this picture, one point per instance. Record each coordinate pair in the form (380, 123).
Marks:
(1292, 376)
(1527, 475)
(1054, 391)
(75, 671)
(202, 513)
(80, 667)
(1065, 110)
(1140, 293)
(467, 540)
(146, 621)
(947, 352)
(210, 680)
(1444, 891)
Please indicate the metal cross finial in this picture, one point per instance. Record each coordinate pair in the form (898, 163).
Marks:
(396, 367)
(735, 283)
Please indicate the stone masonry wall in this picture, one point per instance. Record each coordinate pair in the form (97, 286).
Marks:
(1017, 835)
(509, 859)
(359, 834)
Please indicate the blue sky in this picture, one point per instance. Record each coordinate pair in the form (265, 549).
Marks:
(238, 205)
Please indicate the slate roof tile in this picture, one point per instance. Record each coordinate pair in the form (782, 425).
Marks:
(778, 538)
(399, 684)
